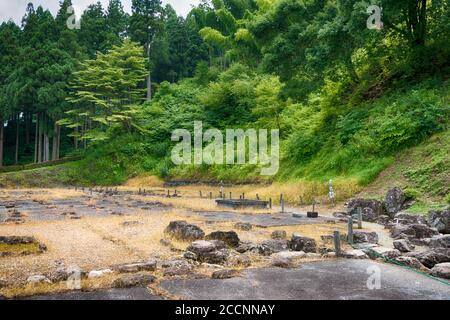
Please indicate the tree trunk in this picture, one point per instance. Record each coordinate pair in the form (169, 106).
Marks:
(36, 139)
(149, 78)
(56, 138)
(46, 148)
(75, 139)
(1, 142)
(40, 138)
(28, 118)
(16, 160)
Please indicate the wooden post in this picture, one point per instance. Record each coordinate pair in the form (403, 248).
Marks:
(243, 196)
(359, 218)
(350, 230)
(337, 243)
(230, 196)
(270, 203)
(168, 193)
(140, 190)
(210, 195)
(282, 203)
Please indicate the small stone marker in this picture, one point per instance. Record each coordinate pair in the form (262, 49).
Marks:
(359, 218)
(350, 230)
(337, 243)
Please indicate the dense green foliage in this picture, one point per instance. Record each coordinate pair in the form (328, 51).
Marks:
(346, 98)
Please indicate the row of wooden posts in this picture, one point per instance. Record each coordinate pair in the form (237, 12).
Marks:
(350, 240)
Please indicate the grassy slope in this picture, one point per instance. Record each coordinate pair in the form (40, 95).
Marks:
(423, 171)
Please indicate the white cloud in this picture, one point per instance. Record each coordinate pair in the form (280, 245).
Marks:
(15, 10)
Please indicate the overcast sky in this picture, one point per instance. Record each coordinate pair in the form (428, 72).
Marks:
(15, 9)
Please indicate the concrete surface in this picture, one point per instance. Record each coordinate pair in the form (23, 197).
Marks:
(113, 294)
(326, 280)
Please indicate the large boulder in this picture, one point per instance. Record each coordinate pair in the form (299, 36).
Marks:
(136, 267)
(208, 251)
(413, 231)
(407, 218)
(441, 270)
(269, 247)
(301, 243)
(287, 259)
(440, 219)
(393, 203)
(371, 209)
(442, 241)
(181, 230)
(230, 238)
(365, 237)
(432, 257)
(411, 262)
(403, 245)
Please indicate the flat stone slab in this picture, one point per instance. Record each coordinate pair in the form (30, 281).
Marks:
(263, 219)
(326, 280)
(113, 294)
(242, 203)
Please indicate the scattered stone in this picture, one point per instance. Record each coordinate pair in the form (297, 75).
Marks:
(371, 209)
(269, 247)
(99, 273)
(17, 240)
(4, 283)
(287, 259)
(246, 246)
(329, 255)
(442, 241)
(441, 270)
(393, 203)
(411, 262)
(432, 257)
(225, 274)
(243, 226)
(403, 245)
(278, 234)
(190, 255)
(131, 223)
(354, 254)
(383, 252)
(133, 280)
(383, 220)
(136, 267)
(365, 236)
(230, 238)
(38, 279)
(181, 230)
(440, 219)
(165, 243)
(300, 243)
(178, 270)
(239, 260)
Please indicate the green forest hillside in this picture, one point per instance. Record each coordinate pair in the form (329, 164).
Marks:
(358, 97)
